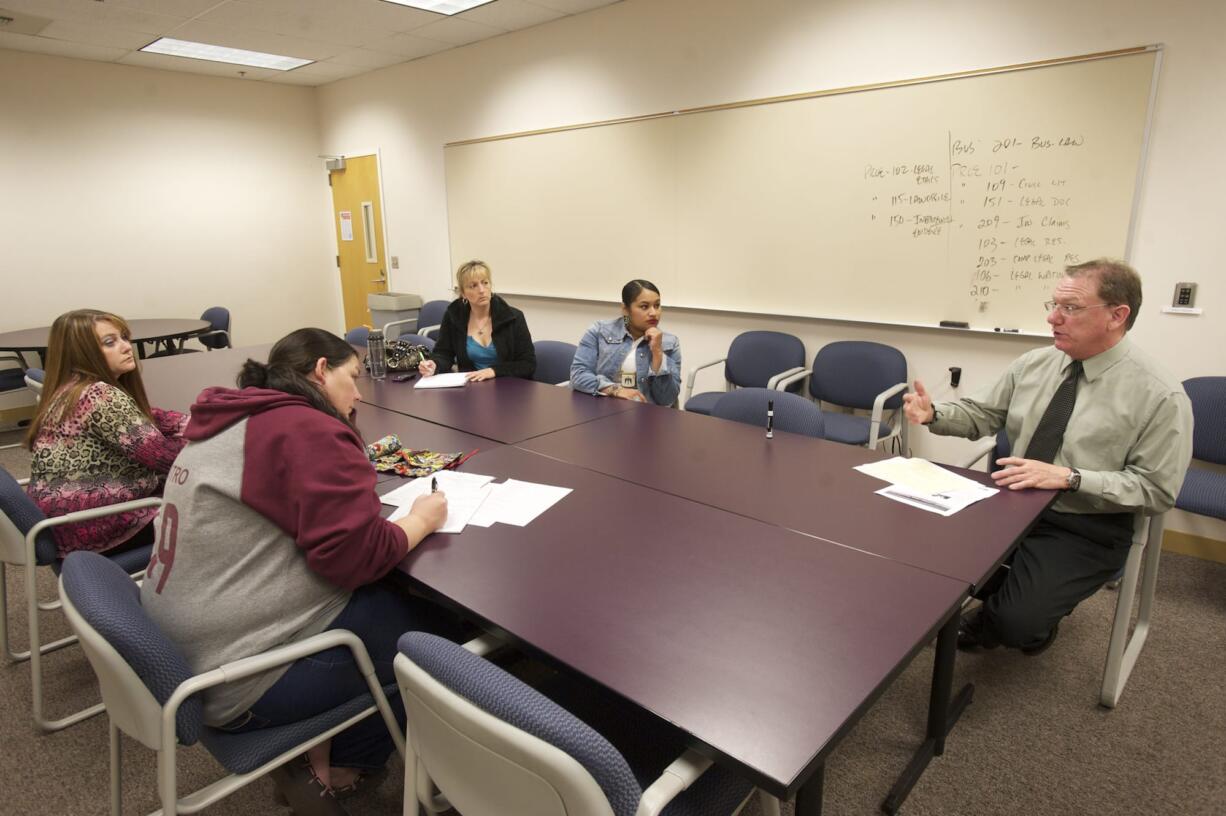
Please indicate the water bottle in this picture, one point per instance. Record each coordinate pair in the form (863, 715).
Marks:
(376, 356)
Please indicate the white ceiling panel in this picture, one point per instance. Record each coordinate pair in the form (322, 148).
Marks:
(252, 40)
(511, 14)
(60, 48)
(457, 31)
(110, 36)
(409, 46)
(352, 36)
(363, 58)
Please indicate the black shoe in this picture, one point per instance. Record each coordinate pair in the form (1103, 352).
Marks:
(366, 781)
(970, 632)
(299, 787)
(1044, 644)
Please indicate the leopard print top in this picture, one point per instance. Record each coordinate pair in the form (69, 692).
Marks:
(104, 452)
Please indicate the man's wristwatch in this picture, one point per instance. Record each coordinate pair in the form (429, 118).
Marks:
(1073, 483)
(935, 414)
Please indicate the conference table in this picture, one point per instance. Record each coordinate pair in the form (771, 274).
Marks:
(754, 594)
(143, 330)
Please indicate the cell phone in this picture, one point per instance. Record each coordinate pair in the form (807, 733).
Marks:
(405, 377)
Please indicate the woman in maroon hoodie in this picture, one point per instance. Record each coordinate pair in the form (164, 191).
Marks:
(270, 534)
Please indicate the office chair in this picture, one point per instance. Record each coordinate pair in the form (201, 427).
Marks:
(357, 336)
(152, 695)
(1204, 491)
(756, 359)
(417, 340)
(219, 336)
(793, 413)
(1123, 650)
(34, 380)
(26, 541)
(430, 318)
(864, 376)
(553, 360)
(494, 746)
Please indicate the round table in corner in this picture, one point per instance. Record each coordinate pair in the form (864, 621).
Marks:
(153, 330)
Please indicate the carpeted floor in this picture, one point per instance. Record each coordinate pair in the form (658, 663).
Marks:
(1033, 742)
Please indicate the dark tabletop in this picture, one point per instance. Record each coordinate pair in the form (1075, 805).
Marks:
(678, 607)
(175, 381)
(142, 331)
(797, 482)
(505, 409)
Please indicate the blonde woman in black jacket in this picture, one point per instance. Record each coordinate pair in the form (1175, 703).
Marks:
(481, 333)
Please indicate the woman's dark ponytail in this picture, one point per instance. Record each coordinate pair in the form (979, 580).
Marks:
(291, 362)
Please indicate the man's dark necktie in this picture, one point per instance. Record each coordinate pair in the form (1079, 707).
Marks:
(1049, 434)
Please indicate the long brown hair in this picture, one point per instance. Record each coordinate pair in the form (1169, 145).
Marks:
(75, 362)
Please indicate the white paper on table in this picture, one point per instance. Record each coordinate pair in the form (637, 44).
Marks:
(461, 505)
(450, 379)
(943, 504)
(518, 503)
(917, 476)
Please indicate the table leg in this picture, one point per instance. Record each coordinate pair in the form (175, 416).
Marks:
(809, 797)
(943, 713)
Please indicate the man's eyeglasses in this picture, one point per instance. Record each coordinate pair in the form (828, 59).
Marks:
(1068, 309)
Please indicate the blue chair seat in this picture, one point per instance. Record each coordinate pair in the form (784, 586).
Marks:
(1203, 493)
(851, 429)
(704, 403)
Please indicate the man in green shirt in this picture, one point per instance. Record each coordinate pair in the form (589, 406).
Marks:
(1091, 416)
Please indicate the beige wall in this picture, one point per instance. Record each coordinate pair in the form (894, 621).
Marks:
(646, 56)
(159, 194)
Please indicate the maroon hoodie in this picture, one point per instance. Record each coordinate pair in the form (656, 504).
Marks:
(270, 522)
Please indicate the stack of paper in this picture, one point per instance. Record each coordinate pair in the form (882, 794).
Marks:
(466, 492)
(922, 484)
(451, 379)
(472, 499)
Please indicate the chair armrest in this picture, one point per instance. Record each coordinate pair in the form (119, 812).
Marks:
(982, 449)
(773, 382)
(424, 331)
(678, 776)
(782, 381)
(689, 381)
(404, 322)
(92, 513)
(878, 406)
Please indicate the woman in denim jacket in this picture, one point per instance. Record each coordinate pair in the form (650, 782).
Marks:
(603, 363)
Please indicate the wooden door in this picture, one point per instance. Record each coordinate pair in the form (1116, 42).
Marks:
(357, 214)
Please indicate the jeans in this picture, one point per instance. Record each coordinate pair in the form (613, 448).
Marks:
(378, 615)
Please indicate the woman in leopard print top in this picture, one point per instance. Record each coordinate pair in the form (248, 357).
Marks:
(95, 440)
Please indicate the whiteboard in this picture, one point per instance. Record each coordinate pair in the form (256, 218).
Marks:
(957, 198)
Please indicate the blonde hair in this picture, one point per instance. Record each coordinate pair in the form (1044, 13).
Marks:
(470, 269)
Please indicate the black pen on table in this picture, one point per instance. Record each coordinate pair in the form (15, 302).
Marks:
(433, 484)
(770, 419)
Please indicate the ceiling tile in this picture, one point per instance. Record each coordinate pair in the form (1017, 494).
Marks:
(572, 6)
(385, 16)
(103, 14)
(253, 40)
(408, 45)
(97, 35)
(300, 23)
(457, 31)
(194, 66)
(326, 70)
(366, 59)
(511, 14)
(60, 48)
(177, 8)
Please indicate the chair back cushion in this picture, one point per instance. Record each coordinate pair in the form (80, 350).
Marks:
(511, 700)
(1208, 396)
(22, 514)
(219, 319)
(853, 372)
(553, 360)
(756, 356)
(793, 413)
(431, 314)
(357, 336)
(109, 601)
(417, 340)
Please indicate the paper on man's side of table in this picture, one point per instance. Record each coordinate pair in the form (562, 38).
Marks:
(943, 504)
(917, 475)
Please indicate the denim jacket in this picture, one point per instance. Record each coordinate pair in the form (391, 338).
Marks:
(598, 363)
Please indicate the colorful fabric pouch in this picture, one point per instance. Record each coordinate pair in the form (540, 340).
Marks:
(389, 456)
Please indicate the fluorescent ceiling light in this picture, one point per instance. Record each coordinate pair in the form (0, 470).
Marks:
(447, 7)
(217, 53)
